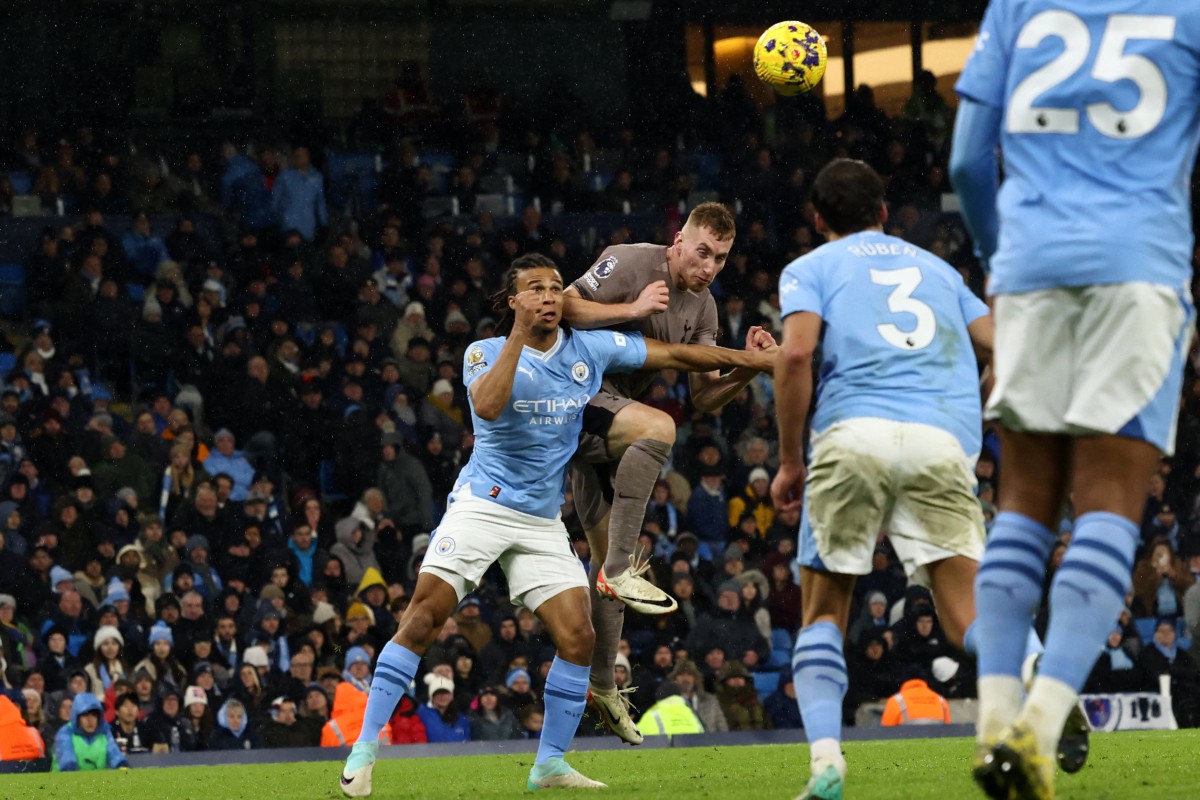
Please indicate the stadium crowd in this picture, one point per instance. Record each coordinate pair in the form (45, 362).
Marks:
(214, 499)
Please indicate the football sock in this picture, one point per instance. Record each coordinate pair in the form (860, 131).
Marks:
(1033, 644)
(632, 485)
(565, 695)
(608, 619)
(1008, 589)
(1087, 595)
(1086, 598)
(819, 667)
(394, 673)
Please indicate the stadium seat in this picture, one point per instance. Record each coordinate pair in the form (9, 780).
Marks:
(12, 290)
(7, 362)
(437, 207)
(21, 182)
(1145, 629)
(708, 171)
(494, 204)
(136, 292)
(765, 683)
(781, 640)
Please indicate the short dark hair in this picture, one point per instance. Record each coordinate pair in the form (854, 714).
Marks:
(848, 194)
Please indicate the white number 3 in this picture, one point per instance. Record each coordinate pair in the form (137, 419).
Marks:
(901, 301)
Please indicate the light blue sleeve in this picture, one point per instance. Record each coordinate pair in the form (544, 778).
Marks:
(972, 307)
(801, 287)
(985, 74)
(974, 171)
(618, 351)
(116, 758)
(479, 358)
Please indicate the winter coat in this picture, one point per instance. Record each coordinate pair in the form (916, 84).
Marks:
(458, 729)
(407, 492)
(76, 751)
(708, 709)
(670, 717)
(486, 729)
(18, 742)
(226, 738)
(406, 726)
(356, 558)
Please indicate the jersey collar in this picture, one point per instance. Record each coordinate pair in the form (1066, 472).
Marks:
(554, 348)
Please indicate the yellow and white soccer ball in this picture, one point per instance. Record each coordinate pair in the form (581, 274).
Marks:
(790, 57)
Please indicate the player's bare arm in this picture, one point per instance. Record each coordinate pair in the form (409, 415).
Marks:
(793, 396)
(588, 314)
(983, 332)
(704, 358)
(490, 393)
(711, 391)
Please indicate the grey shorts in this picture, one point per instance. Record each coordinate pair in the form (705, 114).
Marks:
(591, 467)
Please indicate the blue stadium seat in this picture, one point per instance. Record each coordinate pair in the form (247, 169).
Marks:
(708, 171)
(781, 640)
(12, 290)
(766, 683)
(1145, 629)
(21, 182)
(7, 362)
(136, 292)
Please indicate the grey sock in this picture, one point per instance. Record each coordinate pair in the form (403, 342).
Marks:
(608, 618)
(632, 486)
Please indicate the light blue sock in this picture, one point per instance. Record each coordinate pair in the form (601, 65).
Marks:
(393, 675)
(1008, 590)
(1087, 595)
(1033, 645)
(566, 693)
(820, 671)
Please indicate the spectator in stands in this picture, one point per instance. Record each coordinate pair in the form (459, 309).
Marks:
(728, 627)
(781, 706)
(165, 725)
(233, 730)
(1115, 669)
(735, 692)
(490, 721)
(143, 250)
(916, 704)
(225, 458)
(20, 739)
(287, 729)
(131, 735)
(299, 197)
(108, 663)
(687, 677)
(86, 743)
(707, 509)
(443, 722)
(1163, 657)
(873, 618)
(161, 663)
(1160, 580)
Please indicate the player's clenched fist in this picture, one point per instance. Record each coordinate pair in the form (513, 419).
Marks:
(652, 300)
(759, 338)
(526, 306)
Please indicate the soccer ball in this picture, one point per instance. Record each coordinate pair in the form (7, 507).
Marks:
(790, 57)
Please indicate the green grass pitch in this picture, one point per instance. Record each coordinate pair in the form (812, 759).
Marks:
(1127, 765)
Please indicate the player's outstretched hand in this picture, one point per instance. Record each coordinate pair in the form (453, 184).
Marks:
(787, 490)
(653, 300)
(526, 307)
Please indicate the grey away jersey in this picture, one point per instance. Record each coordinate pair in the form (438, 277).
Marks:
(619, 276)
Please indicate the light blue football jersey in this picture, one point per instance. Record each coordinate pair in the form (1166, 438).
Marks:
(1100, 104)
(894, 344)
(520, 459)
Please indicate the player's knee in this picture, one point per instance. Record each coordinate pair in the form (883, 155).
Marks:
(660, 427)
(420, 626)
(577, 641)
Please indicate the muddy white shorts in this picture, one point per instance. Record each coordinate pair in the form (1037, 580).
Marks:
(868, 476)
(1088, 360)
(534, 552)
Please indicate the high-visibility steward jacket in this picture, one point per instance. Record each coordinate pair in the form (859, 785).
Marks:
(916, 704)
(670, 716)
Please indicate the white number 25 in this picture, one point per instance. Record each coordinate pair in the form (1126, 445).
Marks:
(901, 301)
(1112, 64)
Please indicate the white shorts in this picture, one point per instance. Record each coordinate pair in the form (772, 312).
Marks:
(534, 552)
(1090, 360)
(869, 476)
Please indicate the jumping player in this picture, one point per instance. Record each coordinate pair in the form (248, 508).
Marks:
(1096, 106)
(895, 434)
(527, 395)
(661, 292)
